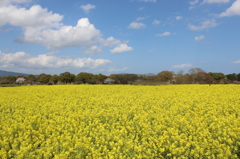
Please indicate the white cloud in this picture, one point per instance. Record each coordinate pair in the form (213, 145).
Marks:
(110, 41)
(83, 34)
(36, 17)
(206, 24)
(156, 22)
(164, 34)
(216, 1)
(24, 60)
(140, 18)
(142, 8)
(148, 0)
(121, 48)
(44, 27)
(193, 2)
(6, 2)
(117, 69)
(87, 8)
(53, 52)
(199, 38)
(233, 10)
(93, 49)
(238, 61)
(178, 17)
(136, 25)
(182, 66)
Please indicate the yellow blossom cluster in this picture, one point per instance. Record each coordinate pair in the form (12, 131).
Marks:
(120, 121)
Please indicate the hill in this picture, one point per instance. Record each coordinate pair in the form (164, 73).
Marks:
(7, 73)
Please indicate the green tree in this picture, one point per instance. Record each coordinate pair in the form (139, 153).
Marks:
(120, 78)
(67, 77)
(148, 76)
(232, 77)
(31, 78)
(43, 78)
(8, 79)
(218, 76)
(124, 78)
(101, 78)
(73, 78)
(93, 79)
(238, 76)
(142, 77)
(54, 79)
(165, 76)
(208, 79)
(151, 76)
(84, 77)
(188, 78)
(131, 77)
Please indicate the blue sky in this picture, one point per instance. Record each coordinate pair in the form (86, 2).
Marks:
(119, 36)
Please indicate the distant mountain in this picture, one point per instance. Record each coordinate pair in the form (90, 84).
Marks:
(7, 73)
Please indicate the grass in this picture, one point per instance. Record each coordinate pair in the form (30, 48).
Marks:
(148, 82)
(8, 85)
(142, 82)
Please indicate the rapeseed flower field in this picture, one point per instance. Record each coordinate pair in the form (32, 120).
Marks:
(120, 121)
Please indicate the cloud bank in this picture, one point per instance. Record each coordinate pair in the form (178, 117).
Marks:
(233, 10)
(206, 24)
(34, 17)
(45, 27)
(24, 60)
(7, 2)
(83, 34)
(216, 1)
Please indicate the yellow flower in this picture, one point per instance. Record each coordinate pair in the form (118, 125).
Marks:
(114, 121)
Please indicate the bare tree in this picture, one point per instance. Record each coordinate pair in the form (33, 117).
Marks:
(196, 74)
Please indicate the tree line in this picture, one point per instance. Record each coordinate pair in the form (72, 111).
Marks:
(194, 76)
